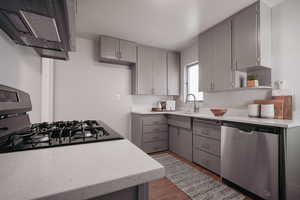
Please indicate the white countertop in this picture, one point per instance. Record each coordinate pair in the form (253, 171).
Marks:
(232, 118)
(75, 172)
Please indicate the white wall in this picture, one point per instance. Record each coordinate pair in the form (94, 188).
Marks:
(286, 45)
(87, 89)
(20, 68)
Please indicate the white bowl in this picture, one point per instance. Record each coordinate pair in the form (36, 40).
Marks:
(267, 111)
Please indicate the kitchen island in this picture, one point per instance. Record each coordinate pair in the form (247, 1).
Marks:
(78, 172)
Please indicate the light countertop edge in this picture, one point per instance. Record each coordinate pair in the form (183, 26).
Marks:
(55, 173)
(240, 119)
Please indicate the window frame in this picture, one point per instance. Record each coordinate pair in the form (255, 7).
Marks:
(187, 81)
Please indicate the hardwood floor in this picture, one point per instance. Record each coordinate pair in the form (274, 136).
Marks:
(164, 189)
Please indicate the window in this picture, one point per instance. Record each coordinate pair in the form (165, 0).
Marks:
(193, 82)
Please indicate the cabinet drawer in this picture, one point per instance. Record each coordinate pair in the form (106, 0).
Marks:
(178, 121)
(150, 147)
(207, 145)
(155, 128)
(207, 160)
(152, 137)
(207, 130)
(155, 120)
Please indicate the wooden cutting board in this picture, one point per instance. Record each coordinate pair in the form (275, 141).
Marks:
(278, 105)
(287, 106)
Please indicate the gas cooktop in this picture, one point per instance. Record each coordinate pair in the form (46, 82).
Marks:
(60, 133)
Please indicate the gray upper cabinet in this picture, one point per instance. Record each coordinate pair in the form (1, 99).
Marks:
(159, 72)
(173, 59)
(205, 61)
(215, 58)
(251, 34)
(238, 43)
(113, 50)
(222, 73)
(245, 38)
(145, 71)
(128, 51)
(152, 72)
(109, 48)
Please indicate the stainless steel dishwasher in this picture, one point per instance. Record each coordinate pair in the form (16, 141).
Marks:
(249, 158)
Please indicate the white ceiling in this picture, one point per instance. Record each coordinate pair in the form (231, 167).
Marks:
(169, 24)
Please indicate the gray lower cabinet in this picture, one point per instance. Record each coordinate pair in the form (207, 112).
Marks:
(207, 144)
(150, 132)
(139, 192)
(180, 136)
(117, 51)
(180, 142)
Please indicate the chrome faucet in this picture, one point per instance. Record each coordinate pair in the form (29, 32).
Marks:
(196, 109)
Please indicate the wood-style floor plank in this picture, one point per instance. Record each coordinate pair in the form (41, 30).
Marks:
(164, 189)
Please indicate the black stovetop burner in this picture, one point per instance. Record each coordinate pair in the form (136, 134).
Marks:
(60, 133)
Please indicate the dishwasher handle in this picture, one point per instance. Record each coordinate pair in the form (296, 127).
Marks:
(247, 132)
(240, 130)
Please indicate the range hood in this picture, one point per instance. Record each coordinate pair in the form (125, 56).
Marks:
(46, 25)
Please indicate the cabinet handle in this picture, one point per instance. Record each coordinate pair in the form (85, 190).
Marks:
(120, 54)
(236, 65)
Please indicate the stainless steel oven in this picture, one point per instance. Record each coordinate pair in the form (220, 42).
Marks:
(249, 158)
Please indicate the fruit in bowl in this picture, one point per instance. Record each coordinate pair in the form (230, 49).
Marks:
(218, 112)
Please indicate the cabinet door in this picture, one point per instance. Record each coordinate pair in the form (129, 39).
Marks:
(205, 61)
(109, 48)
(128, 51)
(145, 70)
(222, 73)
(184, 147)
(245, 38)
(159, 72)
(173, 138)
(173, 73)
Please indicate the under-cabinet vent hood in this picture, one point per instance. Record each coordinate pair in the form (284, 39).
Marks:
(46, 25)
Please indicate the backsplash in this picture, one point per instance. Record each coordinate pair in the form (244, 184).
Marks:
(146, 103)
(237, 101)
